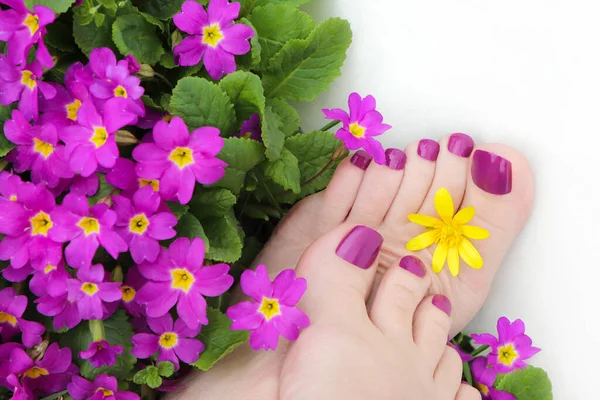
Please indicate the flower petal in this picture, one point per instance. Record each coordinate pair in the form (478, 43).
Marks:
(469, 253)
(474, 232)
(425, 220)
(453, 260)
(464, 216)
(439, 257)
(444, 204)
(422, 241)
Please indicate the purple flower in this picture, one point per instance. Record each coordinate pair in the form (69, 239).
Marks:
(78, 79)
(213, 36)
(251, 129)
(484, 378)
(22, 84)
(46, 376)
(133, 282)
(51, 280)
(86, 228)
(133, 66)
(123, 176)
(37, 150)
(62, 109)
(178, 159)
(464, 356)
(20, 391)
(12, 308)
(10, 185)
(360, 126)
(103, 387)
(90, 292)
(22, 29)
(139, 223)
(101, 353)
(64, 311)
(511, 348)
(172, 343)
(5, 350)
(178, 277)
(273, 311)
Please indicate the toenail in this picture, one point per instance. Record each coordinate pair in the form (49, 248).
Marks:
(361, 159)
(491, 172)
(461, 145)
(413, 265)
(443, 303)
(395, 159)
(428, 149)
(360, 247)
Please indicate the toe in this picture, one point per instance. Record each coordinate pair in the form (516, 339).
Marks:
(467, 392)
(399, 294)
(431, 326)
(448, 374)
(378, 189)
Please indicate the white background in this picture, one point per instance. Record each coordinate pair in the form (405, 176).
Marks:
(521, 72)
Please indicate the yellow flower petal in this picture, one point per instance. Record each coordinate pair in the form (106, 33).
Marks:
(474, 232)
(425, 220)
(422, 241)
(469, 253)
(453, 261)
(439, 257)
(464, 216)
(444, 205)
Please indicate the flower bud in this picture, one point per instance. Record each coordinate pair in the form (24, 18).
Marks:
(146, 71)
(339, 152)
(125, 138)
(3, 164)
(97, 329)
(176, 37)
(117, 274)
(37, 352)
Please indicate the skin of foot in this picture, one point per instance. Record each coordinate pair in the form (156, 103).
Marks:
(495, 179)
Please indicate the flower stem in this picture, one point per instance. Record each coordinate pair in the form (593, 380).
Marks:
(271, 197)
(467, 373)
(97, 329)
(329, 125)
(165, 80)
(479, 350)
(55, 395)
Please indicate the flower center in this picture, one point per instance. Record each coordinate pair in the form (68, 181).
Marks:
(128, 293)
(450, 235)
(149, 182)
(28, 79)
(269, 308)
(482, 388)
(120, 91)
(13, 197)
(43, 148)
(138, 224)
(35, 372)
(49, 268)
(357, 131)
(182, 279)
(72, 109)
(182, 157)
(89, 225)
(247, 135)
(32, 22)
(89, 288)
(212, 35)
(99, 137)
(507, 354)
(105, 392)
(5, 317)
(168, 340)
(167, 118)
(40, 224)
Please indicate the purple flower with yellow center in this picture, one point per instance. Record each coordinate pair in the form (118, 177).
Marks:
(133, 282)
(101, 353)
(10, 185)
(484, 379)
(273, 311)
(50, 280)
(37, 150)
(179, 159)
(22, 84)
(65, 311)
(140, 225)
(46, 376)
(86, 228)
(12, 308)
(173, 343)
(90, 292)
(62, 109)
(360, 126)
(251, 129)
(23, 28)
(103, 387)
(213, 36)
(178, 277)
(510, 349)
(123, 176)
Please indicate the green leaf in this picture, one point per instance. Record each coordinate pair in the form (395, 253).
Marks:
(284, 171)
(58, 6)
(246, 6)
(225, 237)
(90, 36)
(167, 61)
(252, 58)
(303, 69)
(150, 376)
(289, 116)
(165, 368)
(294, 3)
(218, 339)
(60, 34)
(140, 377)
(272, 134)
(245, 92)
(104, 189)
(261, 211)
(278, 24)
(212, 202)
(191, 228)
(98, 19)
(202, 103)
(161, 9)
(153, 380)
(241, 155)
(154, 21)
(134, 35)
(5, 144)
(530, 383)
(178, 209)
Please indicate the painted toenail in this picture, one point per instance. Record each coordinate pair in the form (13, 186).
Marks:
(460, 144)
(491, 173)
(413, 265)
(361, 159)
(428, 149)
(443, 303)
(395, 159)
(360, 247)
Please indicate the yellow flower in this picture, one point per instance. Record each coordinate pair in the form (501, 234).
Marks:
(450, 234)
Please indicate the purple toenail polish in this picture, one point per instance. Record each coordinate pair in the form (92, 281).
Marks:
(443, 303)
(395, 159)
(413, 265)
(361, 159)
(360, 247)
(428, 149)
(461, 145)
(491, 172)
